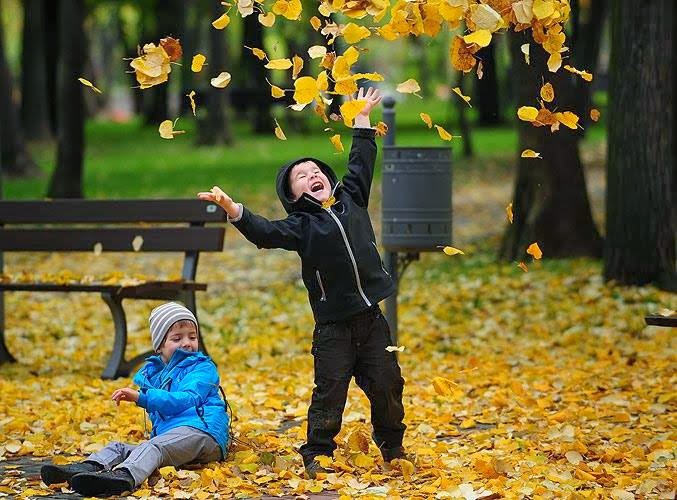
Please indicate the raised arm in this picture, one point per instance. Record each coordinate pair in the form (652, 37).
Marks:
(362, 157)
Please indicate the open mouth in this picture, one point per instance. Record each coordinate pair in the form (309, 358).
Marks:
(316, 186)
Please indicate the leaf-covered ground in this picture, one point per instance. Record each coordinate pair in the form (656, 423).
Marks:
(554, 387)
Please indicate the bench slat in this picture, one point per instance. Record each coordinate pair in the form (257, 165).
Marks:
(658, 320)
(165, 239)
(146, 289)
(109, 211)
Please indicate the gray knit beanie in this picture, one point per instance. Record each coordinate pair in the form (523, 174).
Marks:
(163, 317)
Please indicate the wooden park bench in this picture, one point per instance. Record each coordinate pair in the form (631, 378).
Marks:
(659, 320)
(111, 226)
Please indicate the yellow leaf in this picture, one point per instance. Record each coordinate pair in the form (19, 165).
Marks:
(221, 81)
(568, 119)
(525, 50)
(258, 53)
(547, 92)
(167, 131)
(191, 98)
(530, 153)
(457, 91)
(221, 22)
(89, 84)
(317, 51)
(508, 212)
(358, 441)
(594, 114)
(98, 248)
(153, 67)
(554, 62)
(484, 17)
(297, 66)
(393, 348)
(268, 20)
(305, 90)
(324, 460)
(523, 10)
(409, 86)
(13, 446)
(543, 8)
(315, 22)
(381, 129)
(364, 461)
(137, 242)
(276, 92)
(444, 135)
(322, 81)
(197, 63)
(527, 113)
(443, 386)
(354, 33)
(426, 119)
(375, 77)
(336, 141)
(350, 109)
(480, 37)
(279, 64)
(535, 251)
(405, 466)
(523, 267)
(583, 74)
(452, 251)
(278, 132)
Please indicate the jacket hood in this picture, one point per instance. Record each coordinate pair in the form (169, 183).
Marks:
(306, 202)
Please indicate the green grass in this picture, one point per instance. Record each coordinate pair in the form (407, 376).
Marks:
(126, 160)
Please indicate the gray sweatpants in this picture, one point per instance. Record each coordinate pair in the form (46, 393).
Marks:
(179, 446)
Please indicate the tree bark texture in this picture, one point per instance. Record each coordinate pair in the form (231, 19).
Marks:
(66, 181)
(488, 102)
(550, 201)
(641, 190)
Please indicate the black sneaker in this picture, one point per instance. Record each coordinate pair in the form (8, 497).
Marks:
(313, 468)
(52, 474)
(113, 482)
(393, 453)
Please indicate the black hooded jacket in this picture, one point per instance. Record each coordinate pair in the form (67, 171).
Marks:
(341, 266)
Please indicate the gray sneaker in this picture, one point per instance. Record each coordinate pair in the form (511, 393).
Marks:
(114, 482)
(52, 474)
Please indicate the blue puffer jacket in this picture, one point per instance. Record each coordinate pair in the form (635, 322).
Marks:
(185, 391)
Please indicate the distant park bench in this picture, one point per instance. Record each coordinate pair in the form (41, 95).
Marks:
(658, 320)
(86, 226)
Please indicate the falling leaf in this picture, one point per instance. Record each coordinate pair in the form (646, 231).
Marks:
(221, 81)
(480, 37)
(547, 92)
(443, 386)
(444, 135)
(452, 251)
(89, 84)
(268, 20)
(426, 119)
(315, 22)
(279, 64)
(457, 91)
(260, 54)
(191, 98)
(354, 33)
(350, 109)
(525, 50)
(221, 22)
(137, 242)
(98, 248)
(305, 90)
(484, 17)
(523, 10)
(527, 113)
(297, 66)
(172, 47)
(276, 92)
(198, 62)
(583, 74)
(480, 70)
(167, 131)
(568, 119)
(530, 153)
(410, 86)
(523, 267)
(554, 62)
(152, 67)
(278, 132)
(393, 348)
(317, 51)
(336, 141)
(535, 251)
(508, 212)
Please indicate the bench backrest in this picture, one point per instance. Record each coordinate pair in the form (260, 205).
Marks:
(191, 237)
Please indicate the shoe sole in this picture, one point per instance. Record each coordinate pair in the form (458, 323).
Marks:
(52, 474)
(90, 485)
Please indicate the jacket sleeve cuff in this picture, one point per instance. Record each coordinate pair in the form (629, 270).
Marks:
(368, 133)
(143, 400)
(239, 214)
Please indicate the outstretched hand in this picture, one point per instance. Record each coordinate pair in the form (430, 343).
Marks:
(218, 196)
(371, 97)
(125, 394)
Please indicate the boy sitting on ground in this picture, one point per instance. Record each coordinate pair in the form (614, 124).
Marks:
(179, 388)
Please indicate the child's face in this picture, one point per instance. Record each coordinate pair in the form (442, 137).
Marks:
(307, 177)
(182, 335)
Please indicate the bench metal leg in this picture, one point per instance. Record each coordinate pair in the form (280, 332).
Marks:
(117, 365)
(5, 356)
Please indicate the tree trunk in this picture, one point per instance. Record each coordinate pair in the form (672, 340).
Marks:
(550, 201)
(34, 108)
(253, 80)
(52, 41)
(640, 212)
(488, 103)
(66, 181)
(14, 157)
(215, 129)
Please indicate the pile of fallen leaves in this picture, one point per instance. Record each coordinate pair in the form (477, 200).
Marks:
(540, 384)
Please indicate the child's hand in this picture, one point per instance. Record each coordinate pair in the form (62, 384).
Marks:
(125, 394)
(216, 195)
(372, 97)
